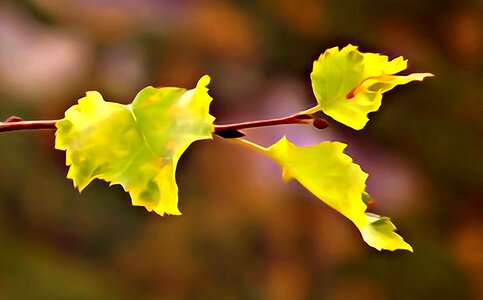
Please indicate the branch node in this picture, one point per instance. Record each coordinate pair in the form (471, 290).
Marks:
(13, 119)
(230, 134)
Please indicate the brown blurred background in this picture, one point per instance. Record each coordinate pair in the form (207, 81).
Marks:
(244, 234)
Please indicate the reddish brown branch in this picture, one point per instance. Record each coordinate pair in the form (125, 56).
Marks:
(226, 131)
(16, 123)
(294, 119)
(233, 130)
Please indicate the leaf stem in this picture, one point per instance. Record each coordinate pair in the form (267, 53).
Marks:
(311, 110)
(251, 145)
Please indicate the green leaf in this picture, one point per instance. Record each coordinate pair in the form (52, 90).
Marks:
(137, 145)
(349, 84)
(327, 172)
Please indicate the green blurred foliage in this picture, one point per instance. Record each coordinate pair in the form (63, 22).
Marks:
(244, 234)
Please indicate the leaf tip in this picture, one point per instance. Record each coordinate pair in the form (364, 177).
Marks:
(379, 233)
(426, 75)
(204, 81)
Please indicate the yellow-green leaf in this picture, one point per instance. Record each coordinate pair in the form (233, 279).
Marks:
(327, 172)
(378, 232)
(349, 84)
(137, 145)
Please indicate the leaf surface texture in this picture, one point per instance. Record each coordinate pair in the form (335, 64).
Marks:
(137, 145)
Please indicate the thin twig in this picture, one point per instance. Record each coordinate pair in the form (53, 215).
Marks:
(227, 131)
(15, 123)
(293, 119)
(232, 130)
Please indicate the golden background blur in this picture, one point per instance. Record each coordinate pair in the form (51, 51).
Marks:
(244, 234)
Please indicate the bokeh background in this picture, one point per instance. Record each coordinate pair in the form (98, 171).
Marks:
(244, 234)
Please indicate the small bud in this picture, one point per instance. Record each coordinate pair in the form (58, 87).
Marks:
(367, 199)
(12, 119)
(320, 123)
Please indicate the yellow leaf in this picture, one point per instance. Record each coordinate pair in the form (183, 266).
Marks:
(349, 84)
(331, 175)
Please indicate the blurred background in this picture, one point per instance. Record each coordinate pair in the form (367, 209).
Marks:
(244, 234)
